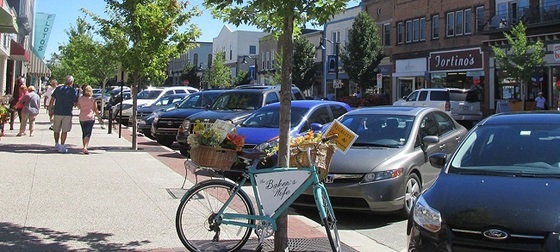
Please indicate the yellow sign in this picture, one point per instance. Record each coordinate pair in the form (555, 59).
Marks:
(346, 136)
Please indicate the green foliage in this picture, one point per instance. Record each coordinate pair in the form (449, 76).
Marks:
(76, 57)
(145, 34)
(191, 73)
(523, 57)
(242, 77)
(218, 75)
(303, 71)
(364, 52)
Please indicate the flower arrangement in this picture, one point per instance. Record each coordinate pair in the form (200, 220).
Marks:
(309, 138)
(207, 136)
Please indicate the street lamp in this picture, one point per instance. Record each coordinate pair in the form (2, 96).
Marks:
(200, 74)
(321, 46)
(253, 75)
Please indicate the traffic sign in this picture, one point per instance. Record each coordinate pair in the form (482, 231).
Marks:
(337, 83)
(379, 80)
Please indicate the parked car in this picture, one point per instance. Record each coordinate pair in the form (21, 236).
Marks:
(234, 106)
(462, 104)
(145, 123)
(387, 166)
(161, 103)
(148, 96)
(164, 126)
(496, 192)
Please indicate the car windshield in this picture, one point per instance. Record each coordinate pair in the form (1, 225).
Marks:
(379, 130)
(468, 95)
(269, 117)
(510, 150)
(238, 100)
(149, 94)
(198, 100)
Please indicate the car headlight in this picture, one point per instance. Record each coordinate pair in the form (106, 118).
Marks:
(185, 126)
(268, 145)
(425, 216)
(381, 175)
(140, 121)
(156, 119)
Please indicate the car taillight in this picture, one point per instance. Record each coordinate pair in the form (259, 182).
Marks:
(447, 106)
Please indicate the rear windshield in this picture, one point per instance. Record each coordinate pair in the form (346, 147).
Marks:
(438, 96)
(470, 96)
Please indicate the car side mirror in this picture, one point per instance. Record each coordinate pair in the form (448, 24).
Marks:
(438, 160)
(207, 106)
(427, 140)
(316, 126)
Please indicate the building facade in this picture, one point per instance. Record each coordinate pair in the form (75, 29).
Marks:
(199, 57)
(241, 50)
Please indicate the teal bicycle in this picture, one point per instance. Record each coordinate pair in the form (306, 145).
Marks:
(218, 215)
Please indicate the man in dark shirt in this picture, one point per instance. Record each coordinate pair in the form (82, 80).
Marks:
(61, 104)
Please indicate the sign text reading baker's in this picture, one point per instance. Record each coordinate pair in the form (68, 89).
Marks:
(470, 59)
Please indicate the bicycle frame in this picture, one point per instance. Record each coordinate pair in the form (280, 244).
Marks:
(311, 181)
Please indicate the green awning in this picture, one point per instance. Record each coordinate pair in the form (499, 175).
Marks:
(8, 22)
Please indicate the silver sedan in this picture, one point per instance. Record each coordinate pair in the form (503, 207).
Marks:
(387, 166)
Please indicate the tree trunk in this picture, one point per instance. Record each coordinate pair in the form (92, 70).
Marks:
(286, 43)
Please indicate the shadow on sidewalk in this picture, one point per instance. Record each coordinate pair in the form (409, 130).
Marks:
(18, 238)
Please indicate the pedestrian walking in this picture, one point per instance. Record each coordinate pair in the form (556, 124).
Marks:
(88, 109)
(540, 102)
(16, 94)
(30, 103)
(47, 99)
(61, 104)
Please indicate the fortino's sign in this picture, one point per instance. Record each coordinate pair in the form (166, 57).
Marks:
(456, 60)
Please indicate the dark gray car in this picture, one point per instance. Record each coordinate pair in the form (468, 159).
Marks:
(387, 166)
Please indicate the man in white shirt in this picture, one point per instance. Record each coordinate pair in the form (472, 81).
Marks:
(540, 101)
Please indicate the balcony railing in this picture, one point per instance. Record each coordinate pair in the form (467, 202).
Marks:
(530, 16)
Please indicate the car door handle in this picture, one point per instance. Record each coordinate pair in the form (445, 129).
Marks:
(442, 146)
(457, 138)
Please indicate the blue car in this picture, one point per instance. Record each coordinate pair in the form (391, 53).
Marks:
(263, 125)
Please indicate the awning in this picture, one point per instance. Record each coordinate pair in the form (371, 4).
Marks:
(18, 52)
(37, 67)
(8, 22)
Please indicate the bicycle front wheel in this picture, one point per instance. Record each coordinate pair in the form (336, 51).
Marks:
(197, 227)
(329, 220)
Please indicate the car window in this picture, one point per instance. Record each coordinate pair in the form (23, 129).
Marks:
(428, 127)
(238, 100)
(338, 110)
(163, 101)
(379, 129)
(190, 102)
(444, 122)
(271, 97)
(510, 149)
(423, 95)
(438, 95)
(148, 94)
(180, 91)
(320, 115)
(269, 117)
(412, 96)
(297, 94)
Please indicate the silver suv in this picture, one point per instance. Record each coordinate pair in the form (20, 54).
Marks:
(462, 104)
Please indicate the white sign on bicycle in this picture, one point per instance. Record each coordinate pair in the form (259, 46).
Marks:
(275, 188)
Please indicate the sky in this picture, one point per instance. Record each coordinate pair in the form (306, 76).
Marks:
(68, 11)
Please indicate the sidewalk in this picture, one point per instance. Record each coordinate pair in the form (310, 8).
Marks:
(115, 198)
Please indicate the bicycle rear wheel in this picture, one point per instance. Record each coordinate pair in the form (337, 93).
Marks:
(329, 220)
(197, 226)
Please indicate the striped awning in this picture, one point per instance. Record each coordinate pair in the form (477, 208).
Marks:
(37, 67)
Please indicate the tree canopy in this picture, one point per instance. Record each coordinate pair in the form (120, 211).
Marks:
(304, 59)
(364, 52)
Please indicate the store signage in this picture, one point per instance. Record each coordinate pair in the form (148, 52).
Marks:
(456, 60)
(556, 51)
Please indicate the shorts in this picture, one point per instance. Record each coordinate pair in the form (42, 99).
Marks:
(63, 123)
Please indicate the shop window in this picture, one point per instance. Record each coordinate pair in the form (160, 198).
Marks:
(468, 22)
(459, 23)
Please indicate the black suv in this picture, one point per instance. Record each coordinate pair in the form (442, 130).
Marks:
(165, 125)
(234, 106)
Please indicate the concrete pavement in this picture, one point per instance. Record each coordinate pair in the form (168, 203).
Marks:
(115, 198)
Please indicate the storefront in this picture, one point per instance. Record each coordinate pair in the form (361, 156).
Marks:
(409, 75)
(462, 68)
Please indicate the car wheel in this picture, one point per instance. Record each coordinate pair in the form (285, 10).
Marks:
(184, 151)
(165, 142)
(412, 190)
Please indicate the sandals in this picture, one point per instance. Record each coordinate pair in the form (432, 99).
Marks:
(85, 151)
(21, 134)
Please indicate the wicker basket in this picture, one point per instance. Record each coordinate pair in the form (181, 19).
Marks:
(321, 154)
(216, 158)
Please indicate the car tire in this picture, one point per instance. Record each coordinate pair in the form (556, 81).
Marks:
(184, 150)
(412, 188)
(165, 142)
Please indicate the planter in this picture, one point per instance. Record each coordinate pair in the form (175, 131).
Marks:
(321, 155)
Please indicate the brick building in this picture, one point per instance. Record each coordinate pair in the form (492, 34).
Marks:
(447, 44)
